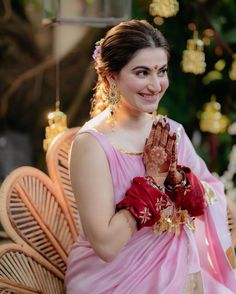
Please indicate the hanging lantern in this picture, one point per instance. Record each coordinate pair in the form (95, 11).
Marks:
(57, 123)
(193, 57)
(211, 119)
(232, 73)
(164, 8)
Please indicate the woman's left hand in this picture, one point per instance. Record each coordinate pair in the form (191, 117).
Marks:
(158, 151)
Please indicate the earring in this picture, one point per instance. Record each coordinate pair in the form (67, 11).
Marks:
(114, 99)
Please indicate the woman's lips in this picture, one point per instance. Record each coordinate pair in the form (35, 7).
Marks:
(149, 97)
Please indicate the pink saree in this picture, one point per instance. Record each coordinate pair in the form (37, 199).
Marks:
(158, 264)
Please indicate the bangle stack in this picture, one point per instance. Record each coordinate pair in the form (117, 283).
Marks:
(183, 183)
(152, 182)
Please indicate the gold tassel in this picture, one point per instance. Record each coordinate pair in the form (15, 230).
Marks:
(172, 220)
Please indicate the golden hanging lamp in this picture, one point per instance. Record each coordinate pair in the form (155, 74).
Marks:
(57, 120)
(164, 8)
(232, 73)
(211, 119)
(193, 57)
(57, 123)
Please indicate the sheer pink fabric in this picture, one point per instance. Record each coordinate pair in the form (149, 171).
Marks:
(157, 264)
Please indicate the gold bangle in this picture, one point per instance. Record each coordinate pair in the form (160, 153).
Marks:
(183, 182)
(154, 184)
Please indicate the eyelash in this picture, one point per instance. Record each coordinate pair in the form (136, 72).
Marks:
(145, 72)
(163, 71)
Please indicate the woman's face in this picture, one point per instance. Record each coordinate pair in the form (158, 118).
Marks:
(143, 81)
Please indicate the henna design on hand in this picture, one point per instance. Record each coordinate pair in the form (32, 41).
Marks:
(158, 150)
(174, 177)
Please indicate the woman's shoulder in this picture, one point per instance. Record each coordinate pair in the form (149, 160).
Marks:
(95, 122)
(89, 136)
(84, 141)
(89, 128)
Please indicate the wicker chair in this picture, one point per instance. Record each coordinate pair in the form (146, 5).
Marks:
(39, 213)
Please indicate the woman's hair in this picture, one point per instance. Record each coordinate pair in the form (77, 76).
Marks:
(119, 46)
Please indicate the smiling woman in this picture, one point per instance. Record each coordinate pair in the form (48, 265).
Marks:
(146, 201)
(143, 81)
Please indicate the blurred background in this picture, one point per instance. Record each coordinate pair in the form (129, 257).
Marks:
(46, 58)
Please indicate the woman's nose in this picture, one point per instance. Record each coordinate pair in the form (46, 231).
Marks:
(155, 85)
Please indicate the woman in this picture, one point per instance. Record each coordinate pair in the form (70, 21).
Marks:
(148, 225)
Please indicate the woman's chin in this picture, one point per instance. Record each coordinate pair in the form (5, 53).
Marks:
(151, 108)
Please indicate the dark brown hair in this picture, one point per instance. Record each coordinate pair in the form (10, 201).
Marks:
(119, 46)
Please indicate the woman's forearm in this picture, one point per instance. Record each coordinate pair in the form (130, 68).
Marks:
(119, 231)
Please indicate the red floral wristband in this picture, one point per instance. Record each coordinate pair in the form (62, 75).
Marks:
(189, 194)
(145, 201)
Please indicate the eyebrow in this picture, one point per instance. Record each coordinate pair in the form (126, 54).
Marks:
(148, 69)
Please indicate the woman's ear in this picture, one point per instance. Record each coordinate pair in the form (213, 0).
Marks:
(111, 78)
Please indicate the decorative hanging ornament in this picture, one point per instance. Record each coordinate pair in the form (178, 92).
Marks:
(57, 123)
(232, 73)
(193, 57)
(164, 8)
(57, 120)
(211, 119)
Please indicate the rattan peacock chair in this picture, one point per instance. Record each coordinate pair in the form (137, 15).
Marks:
(39, 213)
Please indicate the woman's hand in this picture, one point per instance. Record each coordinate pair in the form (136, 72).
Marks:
(189, 196)
(174, 176)
(158, 151)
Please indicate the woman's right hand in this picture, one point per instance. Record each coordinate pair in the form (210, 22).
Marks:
(174, 176)
(158, 150)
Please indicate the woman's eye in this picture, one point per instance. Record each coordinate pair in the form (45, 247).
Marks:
(163, 72)
(142, 73)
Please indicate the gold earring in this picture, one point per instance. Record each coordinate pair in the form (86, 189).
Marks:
(114, 96)
(114, 99)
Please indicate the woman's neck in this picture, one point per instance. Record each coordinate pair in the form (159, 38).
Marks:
(130, 118)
